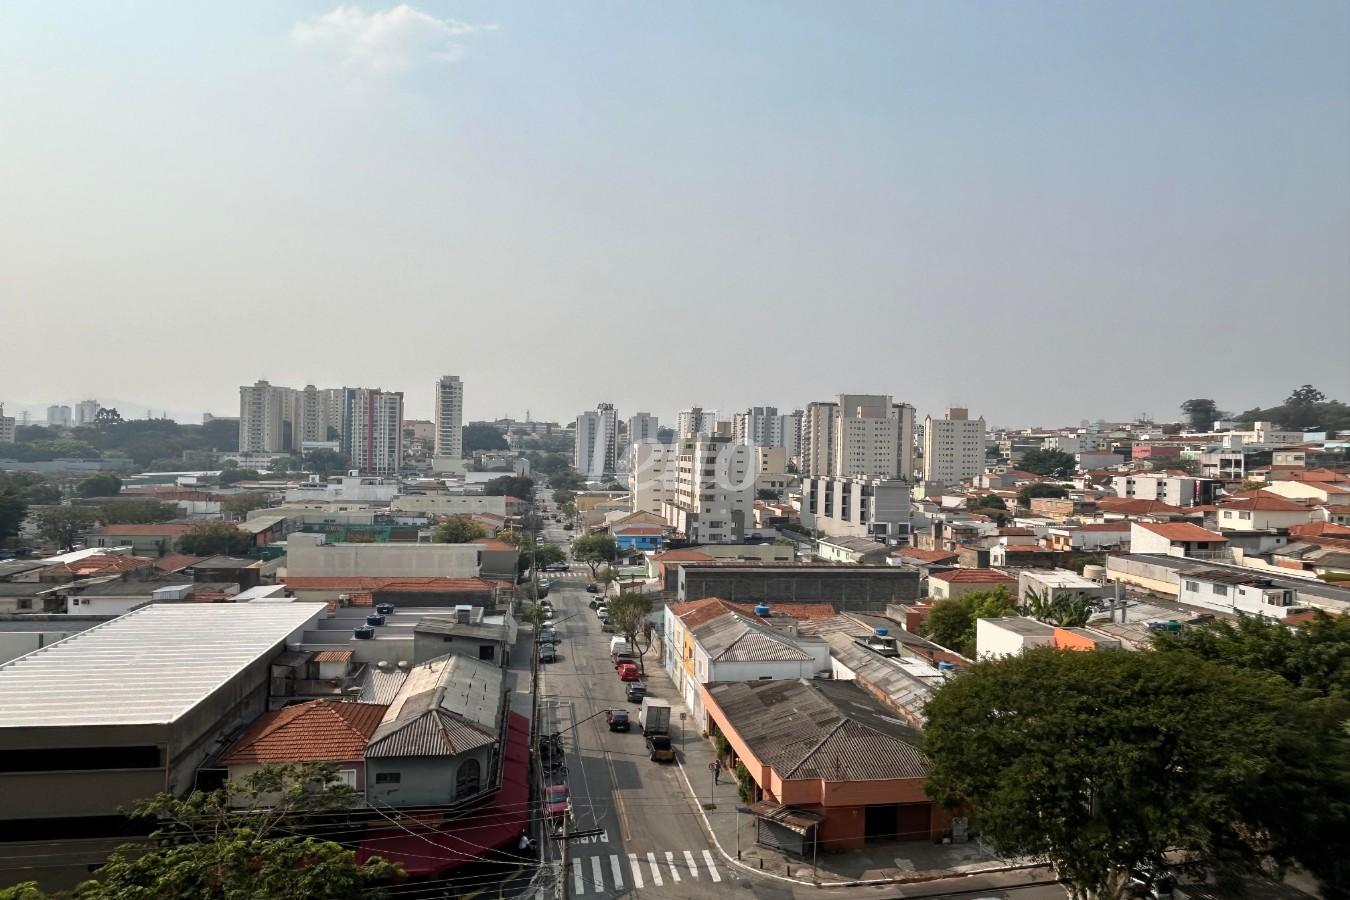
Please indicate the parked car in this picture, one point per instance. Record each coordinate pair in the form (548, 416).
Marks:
(548, 653)
(637, 690)
(617, 719)
(547, 635)
(595, 602)
(592, 588)
(557, 803)
(601, 610)
(659, 748)
(629, 672)
(608, 627)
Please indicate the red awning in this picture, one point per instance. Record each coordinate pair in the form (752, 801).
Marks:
(429, 852)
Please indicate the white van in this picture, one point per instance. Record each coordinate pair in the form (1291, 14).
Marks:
(618, 645)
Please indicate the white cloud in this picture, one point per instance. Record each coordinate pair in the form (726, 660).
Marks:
(389, 40)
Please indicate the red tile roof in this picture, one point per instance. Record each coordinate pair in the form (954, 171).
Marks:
(323, 730)
(496, 544)
(176, 562)
(108, 564)
(790, 610)
(1121, 525)
(923, 555)
(333, 656)
(973, 576)
(1182, 531)
(683, 554)
(1316, 475)
(638, 530)
(1027, 548)
(694, 613)
(1320, 529)
(1134, 506)
(148, 530)
(1266, 503)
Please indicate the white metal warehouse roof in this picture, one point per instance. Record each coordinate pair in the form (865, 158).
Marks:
(149, 666)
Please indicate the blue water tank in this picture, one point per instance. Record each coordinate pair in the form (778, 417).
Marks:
(946, 667)
(363, 632)
(375, 620)
(762, 609)
(882, 632)
(384, 609)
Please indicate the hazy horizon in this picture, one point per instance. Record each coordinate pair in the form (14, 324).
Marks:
(1043, 212)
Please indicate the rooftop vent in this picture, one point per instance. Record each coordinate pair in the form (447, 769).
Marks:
(384, 609)
(374, 620)
(363, 632)
(462, 614)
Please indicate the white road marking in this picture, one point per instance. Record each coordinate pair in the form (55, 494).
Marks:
(598, 873)
(616, 871)
(712, 868)
(656, 869)
(670, 861)
(577, 886)
(693, 866)
(637, 870)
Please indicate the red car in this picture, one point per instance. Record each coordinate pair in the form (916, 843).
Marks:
(628, 672)
(557, 802)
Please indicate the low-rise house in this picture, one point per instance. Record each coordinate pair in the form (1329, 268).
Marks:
(1023, 556)
(470, 632)
(1052, 583)
(1174, 539)
(923, 559)
(955, 582)
(852, 550)
(327, 731)
(638, 536)
(1262, 511)
(827, 758)
(1234, 591)
(1013, 635)
(144, 540)
(1110, 508)
(1091, 537)
(435, 744)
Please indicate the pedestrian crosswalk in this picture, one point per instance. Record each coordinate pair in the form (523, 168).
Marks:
(612, 873)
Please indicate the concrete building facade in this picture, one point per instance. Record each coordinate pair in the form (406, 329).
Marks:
(595, 453)
(449, 418)
(714, 490)
(857, 507)
(372, 432)
(261, 417)
(652, 476)
(953, 447)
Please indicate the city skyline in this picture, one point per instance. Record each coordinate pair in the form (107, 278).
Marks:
(993, 196)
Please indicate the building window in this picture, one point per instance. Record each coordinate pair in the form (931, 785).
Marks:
(388, 777)
(1221, 589)
(467, 779)
(1192, 586)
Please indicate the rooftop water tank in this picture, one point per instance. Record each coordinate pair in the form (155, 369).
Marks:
(374, 620)
(882, 631)
(384, 609)
(363, 632)
(762, 609)
(1095, 573)
(946, 667)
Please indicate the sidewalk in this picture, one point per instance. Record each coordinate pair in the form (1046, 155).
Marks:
(877, 864)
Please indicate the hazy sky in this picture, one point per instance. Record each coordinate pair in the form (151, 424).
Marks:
(1044, 211)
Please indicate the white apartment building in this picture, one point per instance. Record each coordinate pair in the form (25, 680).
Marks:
(6, 427)
(373, 430)
(596, 451)
(857, 507)
(694, 421)
(758, 426)
(953, 447)
(1176, 490)
(311, 416)
(858, 436)
(790, 434)
(85, 411)
(449, 417)
(714, 490)
(817, 439)
(262, 412)
(651, 476)
(642, 428)
(59, 416)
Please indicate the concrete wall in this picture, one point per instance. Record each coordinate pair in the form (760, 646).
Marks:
(425, 781)
(848, 589)
(1141, 573)
(450, 504)
(305, 557)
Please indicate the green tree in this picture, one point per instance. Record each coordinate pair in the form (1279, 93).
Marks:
(1067, 609)
(562, 495)
(228, 477)
(483, 437)
(242, 841)
(136, 512)
(768, 496)
(457, 530)
(64, 525)
(593, 550)
(13, 510)
(1040, 489)
(325, 462)
(99, 486)
(1314, 657)
(1189, 466)
(1103, 762)
(534, 615)
(1055, 463)
(243, 503)
(107, 418)
(1201, 414)
(986, 501)
(1305, 396)
(567, 479)
(30, 487)
(629, 612)
(951, 621)
(518, 486)
(215, 538)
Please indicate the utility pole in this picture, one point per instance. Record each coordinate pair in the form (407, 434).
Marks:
(566, 856)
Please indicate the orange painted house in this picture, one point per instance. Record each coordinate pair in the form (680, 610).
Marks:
(830, 750)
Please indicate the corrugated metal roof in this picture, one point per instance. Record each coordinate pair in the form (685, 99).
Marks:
(381, 687)
(821, 729)
(445, 706)
(733, 638)
(150, 666)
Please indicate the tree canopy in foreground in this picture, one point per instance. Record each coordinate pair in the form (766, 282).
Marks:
(1103, 762)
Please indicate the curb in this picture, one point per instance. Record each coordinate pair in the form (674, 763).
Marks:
(869, 882)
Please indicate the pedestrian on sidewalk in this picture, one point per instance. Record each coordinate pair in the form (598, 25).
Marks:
(717, 772)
